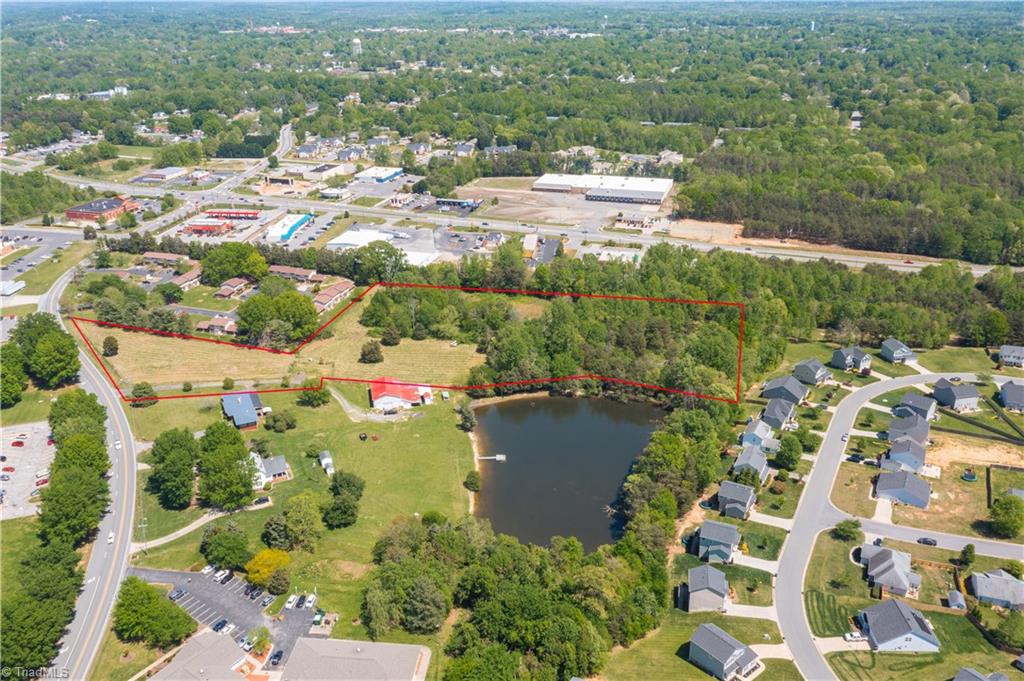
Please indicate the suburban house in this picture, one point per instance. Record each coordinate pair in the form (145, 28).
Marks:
(707, 590)
(163, 259)
(754, 459)
(759, 434)
(189, 279)
(972, 674)
(326, 462)
(1011, 394)
(219, 325)
(330, 659)
(717, 541)
(389, 394)
(778, 412)
(903, 455)
(903, 487)
(1011, 355)
(956, 396)
(242, 410)
(736, 500)
(896, 352)
(719, 654)
(894, 626)
(811, 372)
(851, 359)
(889, 569)
(910, 427)
(232, 287)
(300, 274)
(915, 403)
(786, 388)
(332, 295)
(271, 469)
(997, 587)
(955, 599)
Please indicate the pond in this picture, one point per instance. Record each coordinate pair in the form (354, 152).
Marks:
(566, 459)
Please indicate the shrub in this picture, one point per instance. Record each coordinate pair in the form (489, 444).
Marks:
(472, 481)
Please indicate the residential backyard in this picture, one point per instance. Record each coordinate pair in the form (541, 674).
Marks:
(762, 541)
(750, 586)
(956, 507)
(852, 489)
(781, 505)
(834, 588)
(202, 296)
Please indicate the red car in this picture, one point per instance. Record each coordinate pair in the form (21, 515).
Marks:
(17, 443)
(8, 469)
(908, 262)
(44, 481)
(50, 442)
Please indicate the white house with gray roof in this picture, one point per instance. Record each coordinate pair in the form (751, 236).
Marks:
(706, 590)
(787, 388)
(752, 458)
(1011, 355)
(759, 434)
(1011, 395)
(778, 412)
(914, 427)
(717, 541)
(956, 396)
(719, 654)
(894, 626)
(270, 469)
(812, 372)
(903, 455)
(915, 403)
(896, 351)
(851, 359)
(889, 569)
(903, 487)
(736, 500)
(997, 587)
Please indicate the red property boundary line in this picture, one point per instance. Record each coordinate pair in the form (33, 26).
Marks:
(75, 321)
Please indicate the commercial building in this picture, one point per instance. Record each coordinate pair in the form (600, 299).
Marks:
(205, 657)
(286, 226)
(326, 659)
(379, 174)
(324, 172)
(208, 227)
(357, 238)
(617, 188)
(162, 174)
(233, 213)
(106, 209)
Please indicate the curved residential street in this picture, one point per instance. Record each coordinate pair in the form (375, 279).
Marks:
(815, 514)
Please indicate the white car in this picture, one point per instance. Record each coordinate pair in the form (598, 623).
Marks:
(110, 537)
(228, 629)
(846, 436)
(207, 570)
(43, 473)
(117, 444)
(290, 603)
(217, 576)
(310, 600)
(853, 636)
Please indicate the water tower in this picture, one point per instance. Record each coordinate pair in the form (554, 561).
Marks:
(357, 47)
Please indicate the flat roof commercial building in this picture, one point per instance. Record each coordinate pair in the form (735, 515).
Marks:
(285, 228)
(379, 174)
(617, 188)
(108, 209)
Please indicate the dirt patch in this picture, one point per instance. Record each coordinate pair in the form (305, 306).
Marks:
(947, 450)
(350, 569)
(700, 230)
(691, 519)
(552, 207)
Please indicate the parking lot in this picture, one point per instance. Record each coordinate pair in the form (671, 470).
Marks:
(43, 244)
(23, 462)
(208, 602)
(304, 236)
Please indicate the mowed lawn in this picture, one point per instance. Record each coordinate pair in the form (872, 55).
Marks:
(40, 278)
(957, 506)
(662, 655)
(33, 406)
(18, 536)
(119, 661)
(749, 585)
(159, 521)
(192, 413)
(160, 360)
(834, 589)
(852, 489)
(202, 296)
(763, 541)
(962, 645)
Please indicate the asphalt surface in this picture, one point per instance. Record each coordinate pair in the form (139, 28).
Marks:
(815, 514)
(32, 457)
(44, 242)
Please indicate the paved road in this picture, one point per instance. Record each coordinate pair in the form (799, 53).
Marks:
(815, 513)
(108, 562)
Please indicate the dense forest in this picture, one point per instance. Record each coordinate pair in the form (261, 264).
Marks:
(27, 195)
(758, 101)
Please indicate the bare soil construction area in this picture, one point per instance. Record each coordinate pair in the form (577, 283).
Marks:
(946, 450)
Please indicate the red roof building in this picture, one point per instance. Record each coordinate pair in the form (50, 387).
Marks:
(389, 394)
(330, 296)
(107, 209)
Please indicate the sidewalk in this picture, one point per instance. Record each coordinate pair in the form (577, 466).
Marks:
(167, 538)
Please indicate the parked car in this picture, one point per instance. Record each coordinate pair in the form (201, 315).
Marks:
(927, 541)
(267, 600)
(219, 626)
(256, 593)
(290, 603)
(311, 600)
(43, 482)
(8, 469)
(207, 570)
(4, 477)
(22, 436)
(246, 644)
(43, 473)
(852, 636)
(261, 501)
(17, 443)
(275, 659)
(846, 436)
(855, 458)
(176, 594)
(249, 588)
(217, 575)
(227, 578)
(301, 602)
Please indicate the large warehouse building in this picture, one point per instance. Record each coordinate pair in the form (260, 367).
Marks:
(616, 188)
(107, 209)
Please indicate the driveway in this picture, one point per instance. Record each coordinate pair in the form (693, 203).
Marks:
(770, 566)
(764, 612)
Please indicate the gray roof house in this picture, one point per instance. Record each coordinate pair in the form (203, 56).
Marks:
(956, 396)
(719, 654)
(894, 626)
(717, 541)
(955, 599)
(896, 352)
(753, 458)
(972, 674)
(904, 455)
(778, 412)
(1011, 394)
(904, 487)
(916, 403)
(268, 470)
(811, 372)
(1011, 355)
(913, 427)
(851, 359)
(735, 500)
(997, 587)
(785, 387)
(242, 410)
(345, 660)
(759, 434)
(889, 569)
(707, 590)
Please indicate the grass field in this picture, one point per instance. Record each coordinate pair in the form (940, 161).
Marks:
(834, 589)
(18, 310)
(159, 521)
(15, 254)
(193, 413)
(763, 541)
(962, 645)
(781, 505)
(959, 508)
(34, 406)
(523, 183)
(852, 488)
(956, 359)
(40, 278)
(367, 201)
(662, 655)
(18, 536)
(202, 296)
(750, 585)
(135, 151)
(887, 368)
(118, 661)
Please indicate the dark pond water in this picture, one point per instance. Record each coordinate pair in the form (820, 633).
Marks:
(566, 460)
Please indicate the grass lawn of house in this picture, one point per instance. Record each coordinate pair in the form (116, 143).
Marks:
(662, 655)
(750, 586)
(194, 414)
(814, 418)
(881, 366)
(962, 645)
(852, 489)
(834, 588)
(40, 278)
(18, 310)
(763, 541)
(893, 397)
(984, 416)
(159, 520)
(781, 505)
(119, 661)
(956, 359)
(202, 296)
(957, 506)
(1003, 480)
